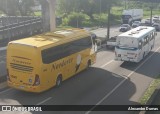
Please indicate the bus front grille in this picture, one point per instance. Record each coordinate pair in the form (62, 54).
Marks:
(21, 67)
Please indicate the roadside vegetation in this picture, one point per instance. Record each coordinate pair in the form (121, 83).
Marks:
(150, 91)
(79, 13)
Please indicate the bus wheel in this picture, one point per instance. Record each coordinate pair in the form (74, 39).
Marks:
(89, 63)
(59, 81)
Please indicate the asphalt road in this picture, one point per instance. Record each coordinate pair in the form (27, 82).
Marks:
(2, 63)
(107, 82)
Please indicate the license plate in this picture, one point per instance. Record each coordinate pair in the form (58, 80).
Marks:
(130, 57)
(21, 87)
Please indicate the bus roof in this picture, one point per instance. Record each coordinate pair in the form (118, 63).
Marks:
(52, 37)
(137, 32)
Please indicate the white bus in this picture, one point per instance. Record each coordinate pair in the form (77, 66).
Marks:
(135, 44)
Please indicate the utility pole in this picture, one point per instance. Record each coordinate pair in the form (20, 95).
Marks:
(8, 29)
(48, 15)
(45, 15)
(125, 4)
(100, 10)
(151, 13)
(52, 8)
(108, 23)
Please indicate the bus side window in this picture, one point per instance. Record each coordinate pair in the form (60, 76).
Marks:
(151, 36)
(81, 44)
(147, 39)
(143, 41)
(140, 45)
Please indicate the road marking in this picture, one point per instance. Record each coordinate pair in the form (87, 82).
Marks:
(143, 62)
(107, 63)
(38, 104)
(5, 90)
(116, 87)
(44, 101)
(119, 76)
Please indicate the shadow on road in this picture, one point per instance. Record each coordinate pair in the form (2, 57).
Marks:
(86, 88)
(149, 67)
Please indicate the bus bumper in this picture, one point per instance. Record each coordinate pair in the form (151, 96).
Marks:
(35, 89)
(126, 59)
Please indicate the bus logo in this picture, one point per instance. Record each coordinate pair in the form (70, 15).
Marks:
(79, 59)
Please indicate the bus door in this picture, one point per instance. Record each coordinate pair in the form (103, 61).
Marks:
(95, 41)
(148, 44)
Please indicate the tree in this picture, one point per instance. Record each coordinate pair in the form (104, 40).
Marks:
(25, 7)
(8, 7)
(16, 7)
(88, 7)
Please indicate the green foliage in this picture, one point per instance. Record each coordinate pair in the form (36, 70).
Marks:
(88, 7)
(65, 21)
(75, 19)
(16, 7)
(100, 19)
(150, 90)
(24, 7)
(37, 13)
(8, 7)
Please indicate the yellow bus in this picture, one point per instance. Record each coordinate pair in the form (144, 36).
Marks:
(37, 63)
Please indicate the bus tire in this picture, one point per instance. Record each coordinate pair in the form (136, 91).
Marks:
(59, 80)
(88, 63)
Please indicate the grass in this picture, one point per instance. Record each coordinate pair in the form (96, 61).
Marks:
(147, 13)
(153, 86)
(38, 13)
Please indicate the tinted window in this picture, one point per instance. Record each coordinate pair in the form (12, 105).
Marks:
(140, 45)
(146, 40)
(126, 16)
(58, 52)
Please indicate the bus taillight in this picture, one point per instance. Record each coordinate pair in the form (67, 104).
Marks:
(37, 80)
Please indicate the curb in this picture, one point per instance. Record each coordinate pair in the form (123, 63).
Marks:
(3, 86)
(152, 98)
(3, 79)
(3, 83)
